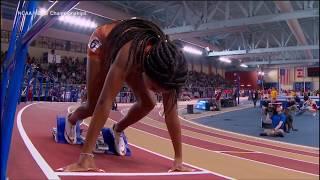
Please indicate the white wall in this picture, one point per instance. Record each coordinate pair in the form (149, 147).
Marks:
(51, 32)
(205, 69)
(271, 75)
(38, 52)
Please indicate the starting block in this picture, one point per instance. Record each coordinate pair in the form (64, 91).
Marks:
(109, 140)
(104, 144)
(58, 132)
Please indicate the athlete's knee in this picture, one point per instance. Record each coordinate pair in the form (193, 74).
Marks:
(148, 105)
(86, 109)
(90, 110)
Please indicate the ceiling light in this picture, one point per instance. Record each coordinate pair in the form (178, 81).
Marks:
(226, 60)
(192, 50)
(81, 22)
(42, 12)
(244, 65)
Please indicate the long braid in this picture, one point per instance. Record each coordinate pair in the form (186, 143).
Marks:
(167, 66)
(163, 63)
(139, 31)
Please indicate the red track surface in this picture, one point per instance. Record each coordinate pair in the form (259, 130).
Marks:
(21, 165)
(315, 154)
(39, 119)
(38, 123)
(261, 157)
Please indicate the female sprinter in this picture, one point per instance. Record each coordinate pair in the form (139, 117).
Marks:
(138, 53)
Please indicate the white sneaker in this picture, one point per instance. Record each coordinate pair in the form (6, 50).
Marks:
(70, 133)
(119, 143)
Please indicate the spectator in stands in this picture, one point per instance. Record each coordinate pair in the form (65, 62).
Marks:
(311, 106)
(255, 96)
(274, 94)
(298, 101)
(114, 105)
(218, 99)
(289, 120)
(305, 96)
(266, 113)
(83, 95)
(30, 93)
(234, 96)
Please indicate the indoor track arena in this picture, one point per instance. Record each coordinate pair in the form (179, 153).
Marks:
(176, 90)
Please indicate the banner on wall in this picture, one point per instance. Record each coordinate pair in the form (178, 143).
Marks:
(284, 76)
(300, 72)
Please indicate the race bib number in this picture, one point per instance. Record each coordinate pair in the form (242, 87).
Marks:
(94, 44)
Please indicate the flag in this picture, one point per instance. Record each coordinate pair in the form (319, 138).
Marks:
(300, 72)
(284, 76)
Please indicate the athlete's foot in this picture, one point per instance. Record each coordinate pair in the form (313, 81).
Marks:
(119, 143)
(70, 133)
(179, 167)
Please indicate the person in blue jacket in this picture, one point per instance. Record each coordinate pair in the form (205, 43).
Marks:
(278, 122)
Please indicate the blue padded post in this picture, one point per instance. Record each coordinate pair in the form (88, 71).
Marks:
(12, 43)
(13, 89)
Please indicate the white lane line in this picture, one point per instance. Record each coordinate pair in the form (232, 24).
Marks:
(50, 174)
(231, 155)
(253, 137)
(259, 162)
(240, 152)
(128, 174)
(248, 149)
(203, 171)
(46, 169)
(256, 138)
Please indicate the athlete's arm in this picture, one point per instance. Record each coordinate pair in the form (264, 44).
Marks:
(112, 85)
(174, 127)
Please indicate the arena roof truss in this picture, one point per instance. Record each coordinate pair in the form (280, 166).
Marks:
(246, 31)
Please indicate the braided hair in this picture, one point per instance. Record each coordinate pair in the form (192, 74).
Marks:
(164, 63)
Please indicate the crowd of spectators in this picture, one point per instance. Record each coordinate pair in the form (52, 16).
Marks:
(198, 85)
(73, 71)
(200, 79)
(201, 85)
(70, 70)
